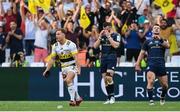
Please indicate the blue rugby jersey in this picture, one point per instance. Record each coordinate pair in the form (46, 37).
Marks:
(155, 52)
(107, 49)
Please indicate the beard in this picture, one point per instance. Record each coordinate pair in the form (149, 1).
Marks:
(163, 27)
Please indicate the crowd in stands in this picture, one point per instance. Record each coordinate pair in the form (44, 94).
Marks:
(27, 34)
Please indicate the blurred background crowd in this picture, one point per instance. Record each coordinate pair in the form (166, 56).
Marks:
(27, 28)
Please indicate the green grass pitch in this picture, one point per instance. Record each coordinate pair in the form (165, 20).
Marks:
(86, 106)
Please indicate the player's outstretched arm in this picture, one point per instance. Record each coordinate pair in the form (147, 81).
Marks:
(50, 64)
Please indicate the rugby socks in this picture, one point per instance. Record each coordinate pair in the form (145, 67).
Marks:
(150, 93)
(77, 97)
(71, 91)
(110, 90)
(164, 92)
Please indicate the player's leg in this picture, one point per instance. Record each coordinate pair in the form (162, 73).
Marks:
(150, 83)
(109, 78)
(103, 72)
(106, 84)
(110, 85)
(164, 84)
(69, 82)
(78, 99)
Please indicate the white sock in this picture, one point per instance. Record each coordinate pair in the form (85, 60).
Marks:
(71, 91)
(77, 95)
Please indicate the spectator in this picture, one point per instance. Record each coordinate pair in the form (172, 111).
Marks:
(177, 34)
(2, 43)
(103, 12)
(167, 32)
(70, 34)
(146, 31)
(52, 33)
(10, 15)
(91, 15)
(171, 15)
(133, 42)
(41, 40)
(82, 55)
(28, 20)
(92, 54)
(19, 60)
(141, 5)
(143, 17)
(14, 39)
(178, 11)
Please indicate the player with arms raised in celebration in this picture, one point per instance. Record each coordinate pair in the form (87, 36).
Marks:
(155, 49)
(66, 52)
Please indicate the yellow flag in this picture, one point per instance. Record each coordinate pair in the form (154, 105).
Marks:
(84, 19)
(44, 4)
(124, 28)
(173, 44)
(32, 7)
(166, 5)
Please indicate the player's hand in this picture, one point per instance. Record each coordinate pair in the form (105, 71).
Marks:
(137, 67)
(101, 33)
(46, 74)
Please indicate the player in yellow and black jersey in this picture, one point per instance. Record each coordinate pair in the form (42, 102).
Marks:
(66, 52)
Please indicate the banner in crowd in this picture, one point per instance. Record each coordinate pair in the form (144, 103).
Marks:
(166, 5)
(84, 19)
(29, 84)
(44, 4)
(32, 6)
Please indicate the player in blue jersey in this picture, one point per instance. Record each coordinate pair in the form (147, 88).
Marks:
(109, 41)
(155, 49)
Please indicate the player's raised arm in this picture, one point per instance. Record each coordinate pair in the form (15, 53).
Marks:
(98, 41)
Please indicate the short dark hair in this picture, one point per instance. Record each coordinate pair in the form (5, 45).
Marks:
(62, 30)
(107, 24)
(164, 20)
(156, 24)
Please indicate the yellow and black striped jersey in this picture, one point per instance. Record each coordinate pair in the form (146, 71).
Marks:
(64, 52)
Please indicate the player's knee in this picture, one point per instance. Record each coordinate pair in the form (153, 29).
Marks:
(68, 81)
(150, 82)
(108, 77)
(165, 86)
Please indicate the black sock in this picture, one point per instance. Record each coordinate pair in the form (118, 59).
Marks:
(164, 92)
(150, 93)
(111, 90)
(108, 91)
